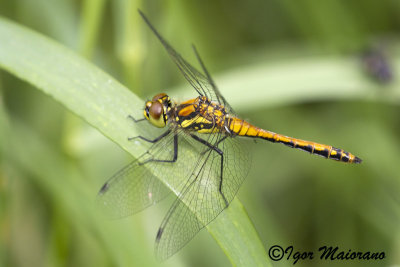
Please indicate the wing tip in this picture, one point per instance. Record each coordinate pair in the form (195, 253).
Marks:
(104, 188)
(160, 253)
(159, 234)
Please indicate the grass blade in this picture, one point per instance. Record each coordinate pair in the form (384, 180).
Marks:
(104, 103)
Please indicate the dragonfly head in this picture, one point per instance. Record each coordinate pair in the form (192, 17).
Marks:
(156, 110)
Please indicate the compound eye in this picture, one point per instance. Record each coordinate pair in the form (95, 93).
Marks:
(158, 96)
(156, 110)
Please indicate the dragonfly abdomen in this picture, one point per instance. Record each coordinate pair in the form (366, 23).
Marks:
(243, 128)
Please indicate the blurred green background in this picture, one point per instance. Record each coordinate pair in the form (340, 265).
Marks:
(299, 68)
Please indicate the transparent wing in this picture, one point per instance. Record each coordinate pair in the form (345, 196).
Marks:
(211, 87)
(137, 185)
(200, 201)
(204, 85)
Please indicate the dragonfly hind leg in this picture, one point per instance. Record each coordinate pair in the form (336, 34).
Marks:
(221, 154)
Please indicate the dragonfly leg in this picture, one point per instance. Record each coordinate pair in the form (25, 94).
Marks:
(221, 153)
(135, 120)
(216, 145)
(149, 140)
(174, 158)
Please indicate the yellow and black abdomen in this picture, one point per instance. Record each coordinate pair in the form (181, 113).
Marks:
(243, 128)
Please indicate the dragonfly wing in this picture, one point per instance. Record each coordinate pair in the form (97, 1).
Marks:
(204, 85)
(210, 85)
(138, 185)
(131, 190)
(200, 201)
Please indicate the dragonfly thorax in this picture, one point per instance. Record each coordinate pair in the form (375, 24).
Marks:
(157, 109)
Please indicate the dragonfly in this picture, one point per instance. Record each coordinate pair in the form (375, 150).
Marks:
(199, 156)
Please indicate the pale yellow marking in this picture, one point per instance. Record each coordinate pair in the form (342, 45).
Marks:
(252, 131)
(266, 134)
(295, 143)
(302, 143)
(187, 123)
(236, 126)
(201, 120)
(319, 147)
(283, 138)
(244, 128)
(217, 113)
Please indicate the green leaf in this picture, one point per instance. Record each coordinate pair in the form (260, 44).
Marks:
(104, 103)
(236, 235)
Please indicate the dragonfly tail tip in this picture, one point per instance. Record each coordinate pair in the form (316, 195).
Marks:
(357, 160)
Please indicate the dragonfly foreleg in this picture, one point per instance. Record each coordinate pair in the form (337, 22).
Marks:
(149, 140)
(221, 154)
(135, 120)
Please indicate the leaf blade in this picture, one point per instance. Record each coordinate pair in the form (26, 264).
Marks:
(88, 92)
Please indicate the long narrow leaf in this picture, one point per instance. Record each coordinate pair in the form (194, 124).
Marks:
(104, 103)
